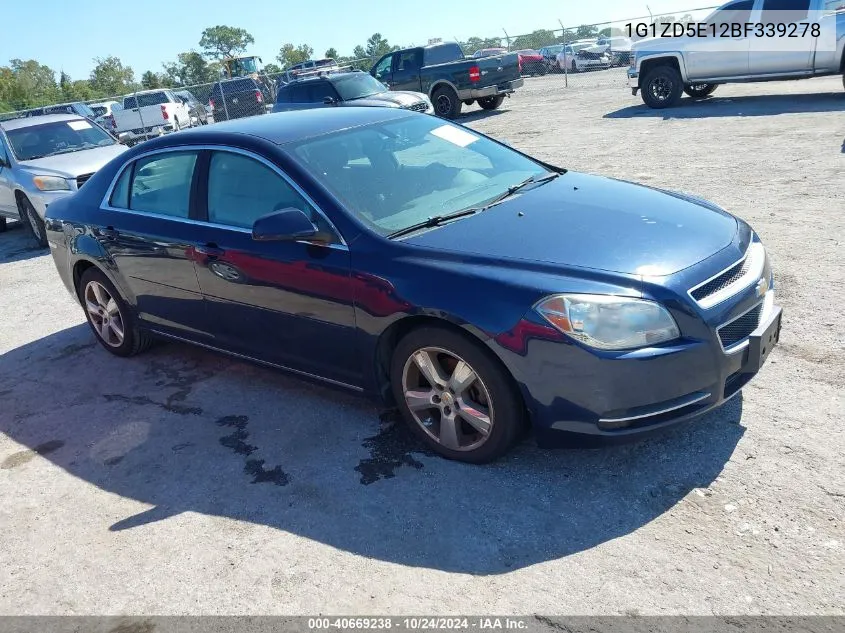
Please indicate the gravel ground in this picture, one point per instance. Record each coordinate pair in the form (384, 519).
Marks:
(183, 482)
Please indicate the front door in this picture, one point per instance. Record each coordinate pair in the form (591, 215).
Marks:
(383, 70)
(8, 207)
(149, 234)
(791, 53)
(715, 56)
(406, 70)
(288, 303)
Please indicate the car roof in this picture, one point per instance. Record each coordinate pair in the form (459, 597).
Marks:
(327, 77)
(16, 124)
(287, 127)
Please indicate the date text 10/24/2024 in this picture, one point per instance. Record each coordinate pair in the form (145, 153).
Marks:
(417, 623)
(725, 29)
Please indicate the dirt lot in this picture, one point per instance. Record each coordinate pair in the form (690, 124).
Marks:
(185, 482)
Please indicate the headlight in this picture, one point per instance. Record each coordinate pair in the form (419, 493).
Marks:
(51, 183)
(609, 323)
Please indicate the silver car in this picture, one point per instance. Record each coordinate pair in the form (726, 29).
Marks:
(44, 158)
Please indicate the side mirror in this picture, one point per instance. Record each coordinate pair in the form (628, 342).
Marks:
(329, 100)
(287, 225)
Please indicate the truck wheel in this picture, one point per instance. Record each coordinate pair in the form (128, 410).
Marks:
(662, 87)
(574, 66)
(446, 102)
(469, 102)
(699, 91)
(491, 103)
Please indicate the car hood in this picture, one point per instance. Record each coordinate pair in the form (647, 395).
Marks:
(588, 221)
(74, 164)
(398, 99)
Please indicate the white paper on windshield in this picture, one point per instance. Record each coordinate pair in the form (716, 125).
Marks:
(79, 125)
(455, 135)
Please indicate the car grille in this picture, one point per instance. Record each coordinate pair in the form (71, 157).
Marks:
(419, 106)
(81, 180)
(740, 328)
(729, 282)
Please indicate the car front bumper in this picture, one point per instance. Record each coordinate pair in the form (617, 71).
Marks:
(633, 80)
(574, 393)
(491, 91)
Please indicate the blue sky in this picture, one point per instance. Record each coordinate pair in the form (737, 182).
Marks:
(68, 35)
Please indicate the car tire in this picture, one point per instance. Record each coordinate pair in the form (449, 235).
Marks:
(469, 102)
(574, 67)
(700, 91)
(33, 222)
(110, 318)
(446, 102)
(485, 415)
(543, 70)
(491, 103)
(662, 87)
(3, 225)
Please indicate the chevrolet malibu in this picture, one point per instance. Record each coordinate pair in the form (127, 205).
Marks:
(478, 289)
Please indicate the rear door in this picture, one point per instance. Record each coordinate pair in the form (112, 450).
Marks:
(149, 231)
(288, 303)
(792, 53)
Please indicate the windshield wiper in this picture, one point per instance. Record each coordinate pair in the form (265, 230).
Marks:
(534, 180)
(437, 220)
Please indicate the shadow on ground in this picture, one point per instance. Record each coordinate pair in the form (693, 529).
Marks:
(16, 244)
(186, 430)
(757, 105)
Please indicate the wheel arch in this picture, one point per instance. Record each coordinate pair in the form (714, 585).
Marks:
(439, 83)
(390, 337)
(664, 59)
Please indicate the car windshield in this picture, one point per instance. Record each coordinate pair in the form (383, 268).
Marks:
(59, 137)
(397, 174)
(358, 86)
(99, 110)
(581, 47)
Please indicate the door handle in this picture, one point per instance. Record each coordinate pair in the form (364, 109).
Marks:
(109, 233)
(211, 251)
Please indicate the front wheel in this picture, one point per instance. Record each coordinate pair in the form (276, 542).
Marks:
(662, 87)
(700, 91)
(33, 222)
(446, 102)
(469, 102)
(491, 103)
(109, 316)
(455, 396)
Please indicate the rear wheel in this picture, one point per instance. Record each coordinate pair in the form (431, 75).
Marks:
(456, 398)
(469, 102)
(699, 91)
(662, 87)
(574, 66)
(446, 102)
(491, 103)
(33, 221)
(109, 316)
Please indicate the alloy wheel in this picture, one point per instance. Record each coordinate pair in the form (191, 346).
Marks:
(33, 222)
(661, 88)
(104, 314)
(444, 105)
(447, 399)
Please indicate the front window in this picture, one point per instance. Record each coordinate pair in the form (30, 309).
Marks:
(396, 174)
(162, 184)
(357, 86)
(383, 67)
(59, 137)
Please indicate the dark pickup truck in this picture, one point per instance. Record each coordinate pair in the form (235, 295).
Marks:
(449, 78)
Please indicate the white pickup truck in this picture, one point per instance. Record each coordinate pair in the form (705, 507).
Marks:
(742, 41)
(148, 114)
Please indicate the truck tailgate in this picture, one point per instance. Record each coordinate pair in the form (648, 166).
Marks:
(499, 69)
(137, 118)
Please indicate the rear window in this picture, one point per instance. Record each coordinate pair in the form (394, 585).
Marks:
(309, 92)
(442, 54)
(144, 100)
(236, 86)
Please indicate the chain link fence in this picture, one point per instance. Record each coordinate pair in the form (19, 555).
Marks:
(564, 56)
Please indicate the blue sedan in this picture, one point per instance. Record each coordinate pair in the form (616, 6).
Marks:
(479, 290)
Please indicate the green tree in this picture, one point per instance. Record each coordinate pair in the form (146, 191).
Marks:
(220, 42)
(290, 54)
(190, 69)
(32, 84)
(477, 43)
(271, 69)
(150, 80)
(535, 40)
(586, 31)
(110, 77)
(378, 46)
(332, 53)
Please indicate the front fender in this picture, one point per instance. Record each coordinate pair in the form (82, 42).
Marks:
(648, 57)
